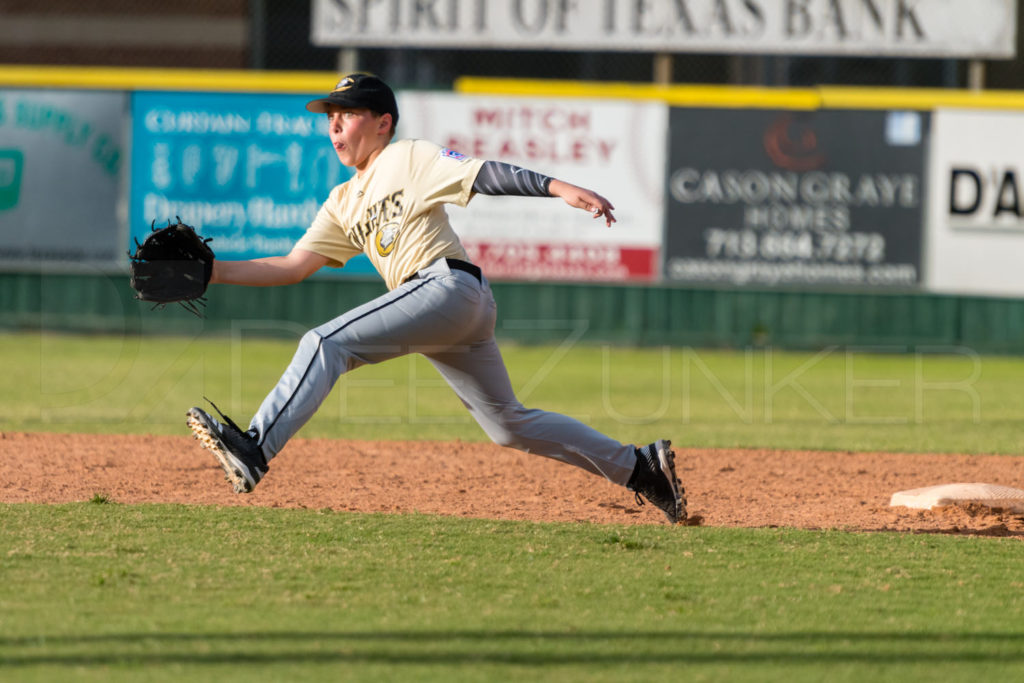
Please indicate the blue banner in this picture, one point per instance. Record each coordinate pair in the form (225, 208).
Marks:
(248, 170)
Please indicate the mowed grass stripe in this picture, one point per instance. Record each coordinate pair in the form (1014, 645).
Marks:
(102, 590)
(835, 399)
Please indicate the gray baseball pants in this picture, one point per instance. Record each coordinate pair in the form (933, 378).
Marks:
(448, 316)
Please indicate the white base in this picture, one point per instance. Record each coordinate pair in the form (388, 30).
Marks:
(989, 495)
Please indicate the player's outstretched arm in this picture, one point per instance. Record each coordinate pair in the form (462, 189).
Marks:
(584, 199)
(267, 272)
(500, 178)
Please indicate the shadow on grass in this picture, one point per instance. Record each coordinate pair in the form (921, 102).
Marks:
(530, 648)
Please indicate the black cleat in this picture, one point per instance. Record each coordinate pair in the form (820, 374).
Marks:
(237, 452)
(654, 478)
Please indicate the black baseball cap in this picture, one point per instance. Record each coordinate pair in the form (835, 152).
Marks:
(359, 91)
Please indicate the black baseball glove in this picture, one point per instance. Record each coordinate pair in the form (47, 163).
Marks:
(172, 265)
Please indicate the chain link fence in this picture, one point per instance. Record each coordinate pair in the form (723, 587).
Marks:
(274, 35)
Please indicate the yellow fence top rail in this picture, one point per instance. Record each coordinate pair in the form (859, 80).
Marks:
(678, 95)
(755, 97)
(126, 78)
(117, 78)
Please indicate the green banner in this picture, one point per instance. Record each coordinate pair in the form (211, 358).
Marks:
(11, 162)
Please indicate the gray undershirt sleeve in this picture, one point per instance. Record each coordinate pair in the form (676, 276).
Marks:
(499, 178)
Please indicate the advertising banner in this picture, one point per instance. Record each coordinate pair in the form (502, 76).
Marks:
(786, 198)
(615, 148)
(975, 227)
(60, 177)
(250, 171)
(919, 28)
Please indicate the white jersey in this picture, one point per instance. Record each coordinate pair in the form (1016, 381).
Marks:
(395, 212)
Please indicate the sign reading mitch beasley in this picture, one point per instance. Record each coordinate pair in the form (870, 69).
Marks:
(615, 146)
(795, 198)
(937, 28)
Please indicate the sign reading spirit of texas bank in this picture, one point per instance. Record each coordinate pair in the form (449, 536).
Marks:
(919, 28)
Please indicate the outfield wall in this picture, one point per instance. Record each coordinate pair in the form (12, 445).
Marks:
(551, 313)
(796, 217)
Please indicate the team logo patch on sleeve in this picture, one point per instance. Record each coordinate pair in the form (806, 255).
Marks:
(452, 154)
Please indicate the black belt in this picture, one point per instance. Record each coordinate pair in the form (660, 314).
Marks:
(456, 264)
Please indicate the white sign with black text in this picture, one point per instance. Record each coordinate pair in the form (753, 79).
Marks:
(615, 148)
(919, 28)
(975, 225)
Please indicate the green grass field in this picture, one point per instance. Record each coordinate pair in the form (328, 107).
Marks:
(836, 399)
(103, 591)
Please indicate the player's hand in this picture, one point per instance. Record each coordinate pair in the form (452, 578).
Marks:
(581, 198)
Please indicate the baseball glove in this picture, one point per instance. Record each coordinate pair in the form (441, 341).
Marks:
(172, 265)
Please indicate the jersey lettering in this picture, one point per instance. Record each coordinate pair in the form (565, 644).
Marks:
(387, 211)
(393, 212)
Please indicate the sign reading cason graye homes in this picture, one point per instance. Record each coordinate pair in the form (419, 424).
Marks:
(783, 198)
(918, 28)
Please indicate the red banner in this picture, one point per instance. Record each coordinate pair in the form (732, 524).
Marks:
(573, 262)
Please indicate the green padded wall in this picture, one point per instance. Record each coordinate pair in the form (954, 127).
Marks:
(547, 313)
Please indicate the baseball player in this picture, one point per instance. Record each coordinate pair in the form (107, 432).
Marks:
(438, 304)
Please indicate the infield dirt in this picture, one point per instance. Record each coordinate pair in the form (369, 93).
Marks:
(725, 488)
